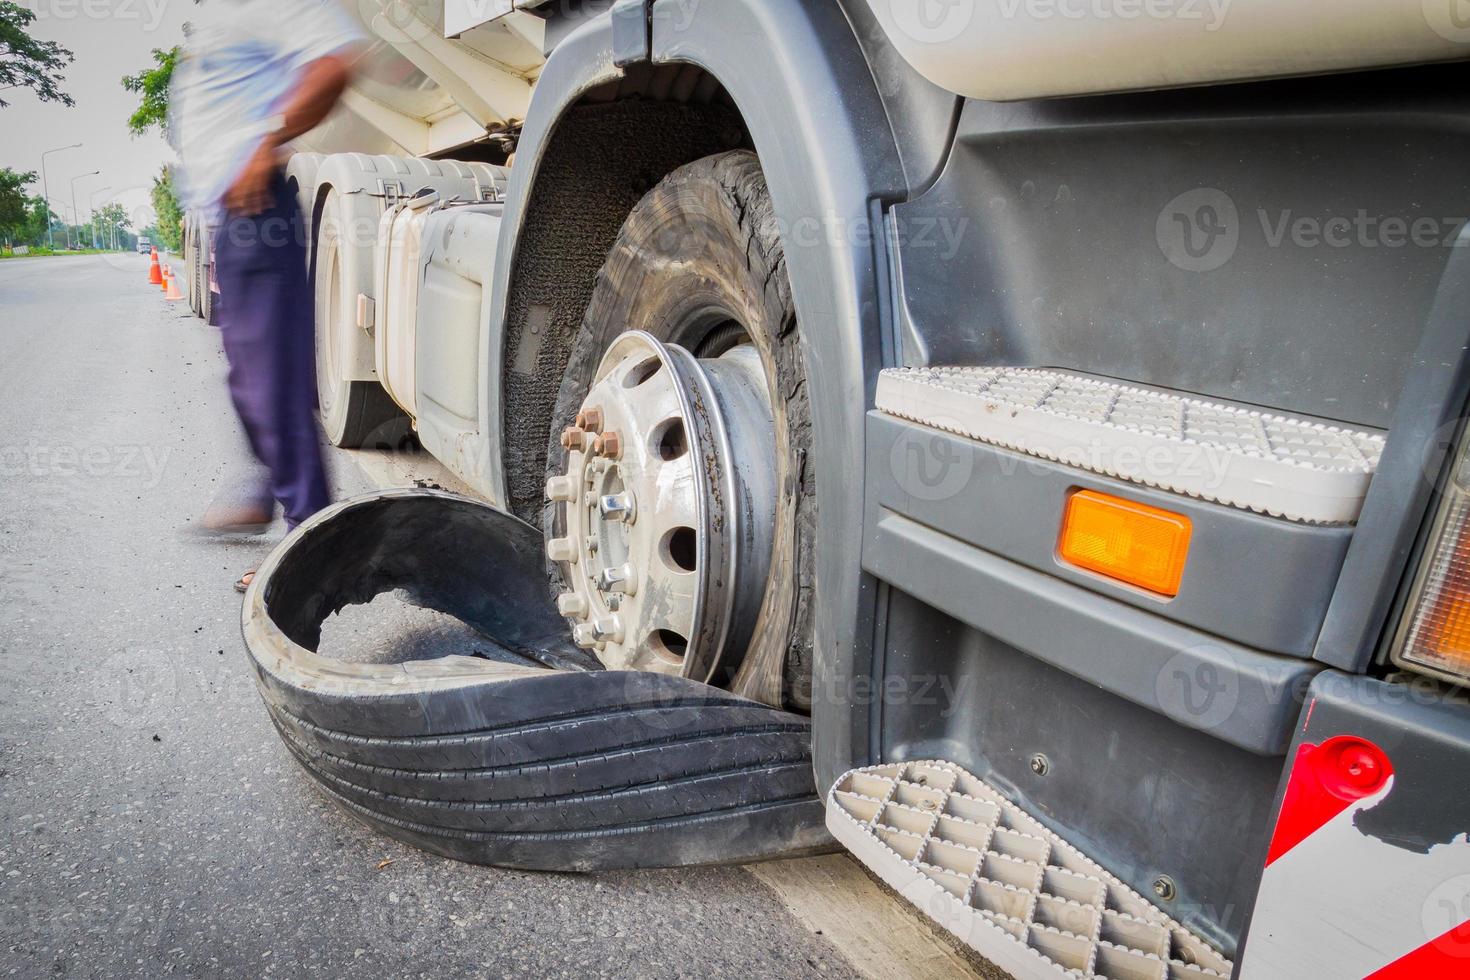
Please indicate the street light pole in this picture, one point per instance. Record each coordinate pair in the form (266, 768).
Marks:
(46, 194)
(92, 213)
(76, 215)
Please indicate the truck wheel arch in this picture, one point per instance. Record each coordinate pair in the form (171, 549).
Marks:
(824, 161)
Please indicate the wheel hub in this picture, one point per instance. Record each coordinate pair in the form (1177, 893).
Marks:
(668, 507)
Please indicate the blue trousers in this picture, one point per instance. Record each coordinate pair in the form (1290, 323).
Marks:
(266, 312)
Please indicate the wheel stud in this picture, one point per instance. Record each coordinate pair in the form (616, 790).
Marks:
(573, 437)
(571, 605)
(561, 549)
(560, 488)
(590, 419)
(617, 506)
(620, 580)
(584, 635)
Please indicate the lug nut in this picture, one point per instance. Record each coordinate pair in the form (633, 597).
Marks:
(584, 635)
(560, 488)
(617, 506)
(608, 628)
(590, 419)
(620, 580)
(571, 605)
(572, 437)
(561, 549)
(609, 444)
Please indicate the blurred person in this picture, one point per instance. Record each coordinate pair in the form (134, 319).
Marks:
(254, 75)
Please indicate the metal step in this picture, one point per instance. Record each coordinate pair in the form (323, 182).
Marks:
(1003, 884)
(1295, 468)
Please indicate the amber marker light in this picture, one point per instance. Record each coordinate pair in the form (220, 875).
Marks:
(1126, 541)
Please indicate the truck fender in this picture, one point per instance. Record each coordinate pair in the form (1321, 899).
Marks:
(827, 155)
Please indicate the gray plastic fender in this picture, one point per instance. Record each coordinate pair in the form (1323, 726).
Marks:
(829, 157)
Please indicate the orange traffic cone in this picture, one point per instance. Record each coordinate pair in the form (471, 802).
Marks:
(171, 289)
(163, 280)
(155, 274)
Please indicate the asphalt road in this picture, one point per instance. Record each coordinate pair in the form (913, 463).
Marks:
(150, 821)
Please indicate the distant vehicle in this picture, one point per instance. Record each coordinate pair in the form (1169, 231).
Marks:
(144, 244)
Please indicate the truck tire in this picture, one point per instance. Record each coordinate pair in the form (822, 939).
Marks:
(192, 260)
(535, 759)
(699, 262)
(206, 291)
(354, 412)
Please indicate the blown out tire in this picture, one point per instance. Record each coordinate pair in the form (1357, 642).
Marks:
(532, 759)
(354, 412)
(700, 263)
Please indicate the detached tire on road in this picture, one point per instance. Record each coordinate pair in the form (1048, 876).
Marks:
(531, 757)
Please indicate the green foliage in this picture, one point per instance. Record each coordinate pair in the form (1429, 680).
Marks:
(35, 224)
(166, 206)
(113, 214)
(152, 85)
(13, 201)
(26, 62)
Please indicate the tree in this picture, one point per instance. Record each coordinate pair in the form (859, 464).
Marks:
(28, 63)
(37, 213)
(166, 207)
(107, 217)
(13, 185)
(152, 84)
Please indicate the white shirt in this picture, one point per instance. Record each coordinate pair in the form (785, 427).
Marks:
(240, 60)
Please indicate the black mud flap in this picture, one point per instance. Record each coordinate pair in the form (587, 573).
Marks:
(537, 759)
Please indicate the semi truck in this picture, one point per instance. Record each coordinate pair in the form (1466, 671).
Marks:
(1022, 444)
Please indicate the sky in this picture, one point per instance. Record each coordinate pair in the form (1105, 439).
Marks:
(110, 38)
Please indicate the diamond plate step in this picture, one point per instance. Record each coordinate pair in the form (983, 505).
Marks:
(1003, 884)
(1274, 464)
